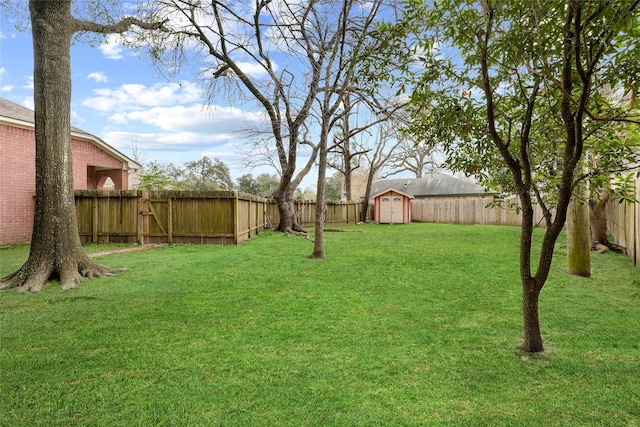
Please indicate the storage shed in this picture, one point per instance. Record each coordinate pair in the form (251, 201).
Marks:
(392, 207)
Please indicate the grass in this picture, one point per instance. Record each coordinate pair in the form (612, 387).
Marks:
(400, 325)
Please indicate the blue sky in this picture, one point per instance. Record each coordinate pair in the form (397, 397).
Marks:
(120, 98)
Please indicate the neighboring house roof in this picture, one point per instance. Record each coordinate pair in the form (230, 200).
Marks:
(432, 184)
(394, 190)
(13, 114)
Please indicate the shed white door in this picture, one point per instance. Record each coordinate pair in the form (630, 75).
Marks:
(391, 209)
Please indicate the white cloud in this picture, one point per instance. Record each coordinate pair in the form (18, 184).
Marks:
(112, 49)
(98, 76)
(131, 97)
(29, 84)
(7, 88)
(182, 128)
(253, 69)
(177, 141)
(194, 118)
(3, 71)
(28, 103)
(76, 120)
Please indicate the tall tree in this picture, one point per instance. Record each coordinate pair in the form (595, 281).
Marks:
(155, 176)
(56, 251)
(382, 149)
(345, 157)
(343, 44)
(333, 187)
(415, 155)
(262, 51)
(365, 112)
(206, 175)
(519, 80)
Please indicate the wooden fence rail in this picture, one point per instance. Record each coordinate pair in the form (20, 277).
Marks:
(197, 217)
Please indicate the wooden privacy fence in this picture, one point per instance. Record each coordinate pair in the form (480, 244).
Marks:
(624, 224)
(455, 210)
(336, 213)
(198, 217)
(134, 216)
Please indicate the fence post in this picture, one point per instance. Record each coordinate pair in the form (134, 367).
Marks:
(138, 208)
(94, 228)
(235, 217)
(145, 213)
(169, 220)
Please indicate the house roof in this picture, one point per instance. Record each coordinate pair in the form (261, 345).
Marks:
(16, 115)
(383, 192)
(432, 184)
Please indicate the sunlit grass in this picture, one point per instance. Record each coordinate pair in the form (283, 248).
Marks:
(400, 325)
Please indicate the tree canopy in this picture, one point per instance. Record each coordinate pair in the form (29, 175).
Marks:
(515, 89)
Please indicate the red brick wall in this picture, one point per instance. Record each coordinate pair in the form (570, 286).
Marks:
(17, 184)
(85, 153)
(17, 178)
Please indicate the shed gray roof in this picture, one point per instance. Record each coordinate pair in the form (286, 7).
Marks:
(18, 113)
(432, 184)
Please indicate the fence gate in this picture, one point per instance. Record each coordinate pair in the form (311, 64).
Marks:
(156, 219)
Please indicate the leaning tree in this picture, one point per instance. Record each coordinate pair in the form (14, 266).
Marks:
(56, 251)
(520, 81)
(260, 52)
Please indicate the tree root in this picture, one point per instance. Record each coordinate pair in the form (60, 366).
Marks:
(32, 276)
(601, 247)
(300, 232)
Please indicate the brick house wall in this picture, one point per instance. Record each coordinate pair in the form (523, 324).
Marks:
(91, 167)
(17, 184)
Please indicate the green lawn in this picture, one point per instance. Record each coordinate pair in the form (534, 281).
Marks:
(400, 325)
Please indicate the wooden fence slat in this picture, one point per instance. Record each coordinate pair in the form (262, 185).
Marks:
(157, 218)
(623, 223)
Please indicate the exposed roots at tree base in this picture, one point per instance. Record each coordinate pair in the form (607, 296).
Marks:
(600, 247)
(32, 276)
(297, 231)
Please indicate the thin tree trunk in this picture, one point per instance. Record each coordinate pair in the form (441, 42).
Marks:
(365, 202)
(318, 241)
(347, 184)
(532, 336)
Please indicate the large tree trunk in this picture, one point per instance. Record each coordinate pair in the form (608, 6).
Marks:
(286, 208)
(56, 251)
(578, 239)
(598, 223)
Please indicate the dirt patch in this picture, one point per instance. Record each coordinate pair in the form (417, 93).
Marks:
(132, 249)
